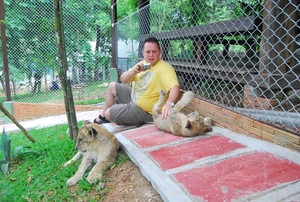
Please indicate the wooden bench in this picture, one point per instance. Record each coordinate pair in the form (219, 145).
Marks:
(79, 87)
(212, 33)
(241, 70)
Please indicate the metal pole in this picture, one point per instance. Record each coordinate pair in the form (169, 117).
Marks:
(4, 52)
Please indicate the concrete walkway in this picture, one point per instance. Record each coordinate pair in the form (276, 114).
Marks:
(219, 166)
(47, 121)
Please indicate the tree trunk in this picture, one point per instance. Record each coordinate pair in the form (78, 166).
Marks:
(66, 84)
(114, 42)
(97, 50)
(4, 52)
(278, 37)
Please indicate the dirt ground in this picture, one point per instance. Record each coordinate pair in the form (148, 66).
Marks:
(128, 184)
(123, 183)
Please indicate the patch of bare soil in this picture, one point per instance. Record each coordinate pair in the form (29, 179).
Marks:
(128, 184)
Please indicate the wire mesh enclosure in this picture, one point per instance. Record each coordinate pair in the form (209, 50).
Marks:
(241, 55)
(33, 53)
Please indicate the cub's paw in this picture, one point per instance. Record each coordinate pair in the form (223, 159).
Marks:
(209, 129)
(162, 93)
(208, 121)
(72, 181)
(93, 177)
(189, 95)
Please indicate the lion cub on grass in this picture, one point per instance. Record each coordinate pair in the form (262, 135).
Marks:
(96, 145)
(178, 123)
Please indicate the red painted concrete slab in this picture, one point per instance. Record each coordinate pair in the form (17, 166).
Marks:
(238, 177)
(150, 136)
(143, 131)
(185, 153)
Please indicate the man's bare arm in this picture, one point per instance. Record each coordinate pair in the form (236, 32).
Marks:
(173, 98)
(127, 76)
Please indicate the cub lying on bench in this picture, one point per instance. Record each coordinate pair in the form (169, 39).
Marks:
(178, 123)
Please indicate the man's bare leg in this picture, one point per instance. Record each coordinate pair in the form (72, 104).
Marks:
(109, 101)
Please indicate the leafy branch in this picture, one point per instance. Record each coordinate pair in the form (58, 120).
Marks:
(16, 122)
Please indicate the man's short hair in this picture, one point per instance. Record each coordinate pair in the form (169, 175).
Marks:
(151, 39)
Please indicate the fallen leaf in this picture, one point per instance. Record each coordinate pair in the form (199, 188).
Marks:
(29, 179)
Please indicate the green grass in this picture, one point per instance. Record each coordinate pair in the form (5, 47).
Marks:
(48, 96)
(90, 102)
(42, 178)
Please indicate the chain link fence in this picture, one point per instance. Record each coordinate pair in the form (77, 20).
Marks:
(33, 53)
(241, 55)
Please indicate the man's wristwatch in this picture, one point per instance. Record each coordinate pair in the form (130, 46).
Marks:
(171, 103)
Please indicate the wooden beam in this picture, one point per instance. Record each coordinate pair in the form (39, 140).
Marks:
(4, 52)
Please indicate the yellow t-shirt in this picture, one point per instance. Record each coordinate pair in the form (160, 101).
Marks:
(147, 84)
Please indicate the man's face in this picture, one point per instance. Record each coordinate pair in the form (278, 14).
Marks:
(151, 53)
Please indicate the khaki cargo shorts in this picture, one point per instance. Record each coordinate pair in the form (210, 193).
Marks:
(125, 112)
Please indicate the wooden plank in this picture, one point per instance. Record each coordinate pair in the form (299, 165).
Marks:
(239, 75)
(286, 136)
(232, 75)
(278, 81)
(245, 25)
(219, 68)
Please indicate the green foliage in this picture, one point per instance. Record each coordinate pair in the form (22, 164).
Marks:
(126, 8)
(243, 8)
(32, 44)
(6, 150)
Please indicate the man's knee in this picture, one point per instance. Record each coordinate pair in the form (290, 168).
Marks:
(107, 114)
(112, 88)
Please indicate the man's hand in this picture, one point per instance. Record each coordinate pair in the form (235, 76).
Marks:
(138, 67)
(127, 76)
(166, 111)
(173, 97)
